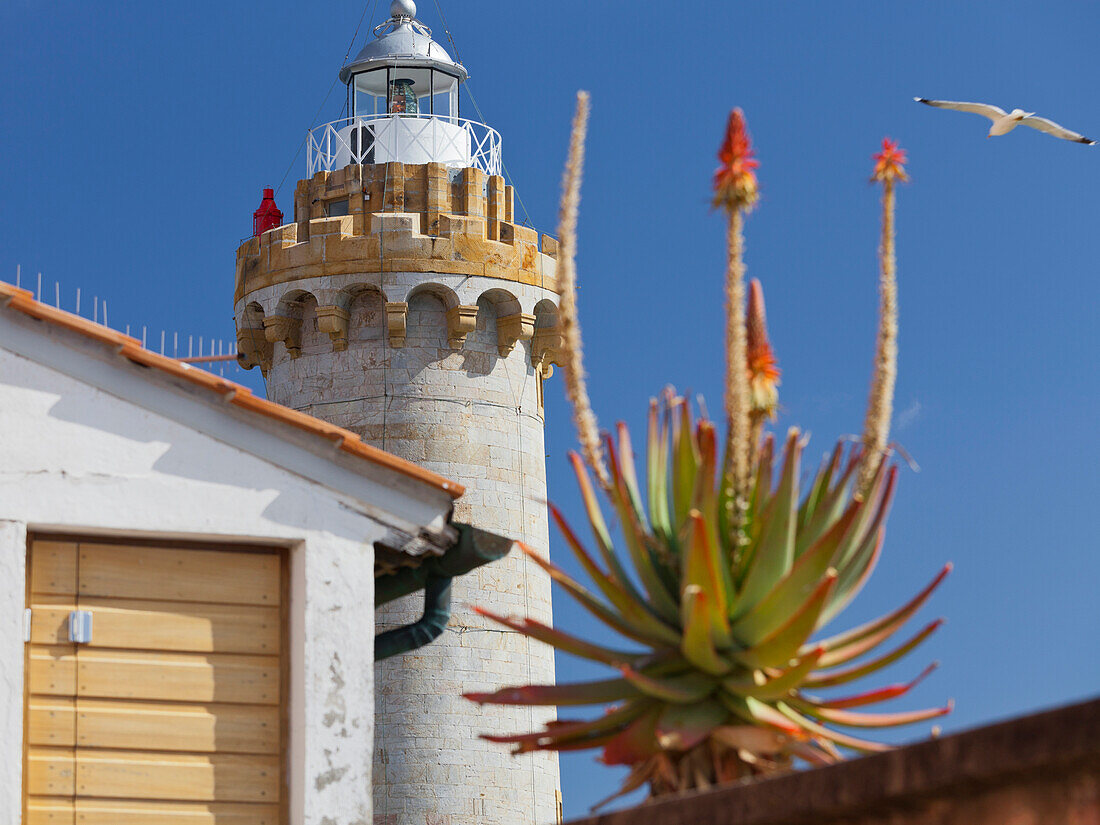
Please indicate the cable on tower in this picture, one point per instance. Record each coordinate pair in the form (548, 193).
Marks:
(481, 117)
(328, 94)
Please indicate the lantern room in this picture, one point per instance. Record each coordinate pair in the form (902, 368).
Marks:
(403, 102)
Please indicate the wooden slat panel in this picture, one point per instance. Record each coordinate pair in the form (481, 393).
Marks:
(215, 778)
(51, 721)
(125, 674)
(50, 619)
(184, 660)
(125, 812)
(52, 670)
(42, 810)
(199, 628)
(177, 727)
(50, 772)
(53, 567)
(179, 575)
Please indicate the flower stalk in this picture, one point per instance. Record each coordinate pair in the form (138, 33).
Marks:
(736, 191)
(576, 387)
(889, 168)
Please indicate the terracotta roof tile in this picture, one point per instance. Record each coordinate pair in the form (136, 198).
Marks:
(241, 397)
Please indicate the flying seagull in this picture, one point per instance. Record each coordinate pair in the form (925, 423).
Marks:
(1004, 122)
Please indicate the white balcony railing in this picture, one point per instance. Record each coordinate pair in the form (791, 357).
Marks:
(405, 139)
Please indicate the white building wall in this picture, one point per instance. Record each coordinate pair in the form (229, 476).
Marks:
(75, 458)
(474, 416)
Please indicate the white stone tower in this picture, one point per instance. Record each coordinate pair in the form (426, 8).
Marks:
(404, 303)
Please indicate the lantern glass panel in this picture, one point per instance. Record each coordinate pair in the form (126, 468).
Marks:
(445, 96)
(370, 93)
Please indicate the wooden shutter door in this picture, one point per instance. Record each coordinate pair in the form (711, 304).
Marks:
(172, 713)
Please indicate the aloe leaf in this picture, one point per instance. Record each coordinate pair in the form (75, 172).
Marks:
(891, 620)
(636, 742)
(871, 697)
(579, 693)
(663, 450)
(703, 569)
(855, 576)
(812, 753)
(842, 739)
(641, 626)
(682, 689)
(641, 773)
(758, 713)
(860, 563)
(628, 602)
(566, 643)
(831, 506)
(775, 549)
(762, 488)
(791, 678)
(884, 479)
(560, 733)
(685, 462)
(596, 521)
(852, 719)
(793, 588)
(697, 644)
(662, 598)
(822, 482)
(783, 644)
(840, 677)
(683, 727)
(705, 499)
(629, 473)
(655, 473)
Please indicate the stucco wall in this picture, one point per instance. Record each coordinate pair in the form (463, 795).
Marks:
(473, 415)
(77, 459)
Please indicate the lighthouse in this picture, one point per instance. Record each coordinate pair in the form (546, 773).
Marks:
(404, 302)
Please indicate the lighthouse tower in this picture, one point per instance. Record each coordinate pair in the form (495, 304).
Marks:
(405, 303)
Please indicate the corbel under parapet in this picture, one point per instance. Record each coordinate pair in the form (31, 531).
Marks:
(333, 321)
(286, 329)
(461, 321)
(512, 329)
(546, 350)
(397, 316)
(253, 349)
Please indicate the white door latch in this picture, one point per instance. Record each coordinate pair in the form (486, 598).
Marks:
(80, 627)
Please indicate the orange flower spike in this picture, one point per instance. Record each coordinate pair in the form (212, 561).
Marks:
(889, 163)
(763, 369)
(735, 184)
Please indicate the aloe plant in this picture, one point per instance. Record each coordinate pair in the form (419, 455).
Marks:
(722, 584)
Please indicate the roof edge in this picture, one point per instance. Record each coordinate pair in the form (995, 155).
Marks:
(22, 300)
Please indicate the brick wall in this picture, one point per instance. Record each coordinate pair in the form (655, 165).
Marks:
(1036, 770)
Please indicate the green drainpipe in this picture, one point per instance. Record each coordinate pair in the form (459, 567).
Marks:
(473, 549)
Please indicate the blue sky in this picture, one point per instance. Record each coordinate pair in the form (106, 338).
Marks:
(136, 138)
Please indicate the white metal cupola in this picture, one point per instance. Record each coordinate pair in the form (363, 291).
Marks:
(403, 98)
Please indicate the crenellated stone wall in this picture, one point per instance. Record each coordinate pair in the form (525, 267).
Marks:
(400, 218)
(429, 333)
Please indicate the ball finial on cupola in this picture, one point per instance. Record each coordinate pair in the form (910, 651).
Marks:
(403, 8)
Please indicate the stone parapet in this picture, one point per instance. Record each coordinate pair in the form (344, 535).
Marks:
(399, 218)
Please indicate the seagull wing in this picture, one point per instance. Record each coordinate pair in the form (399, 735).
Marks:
(983, 109)
(1052, 128)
